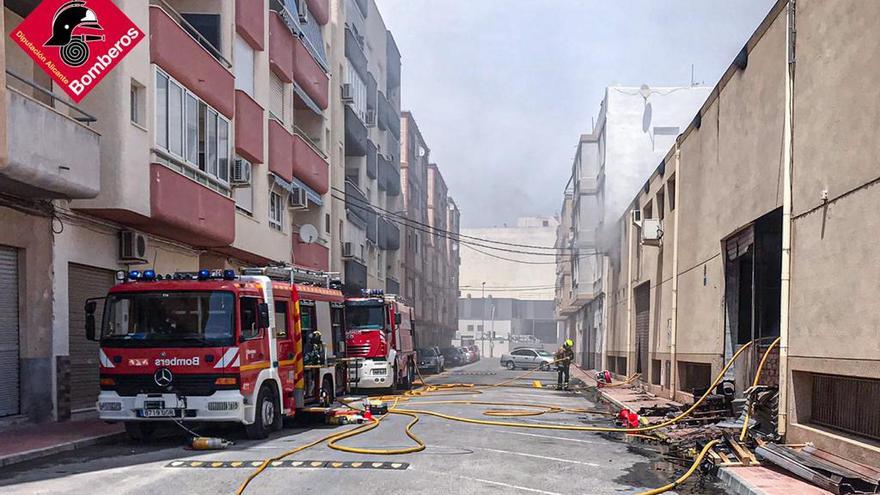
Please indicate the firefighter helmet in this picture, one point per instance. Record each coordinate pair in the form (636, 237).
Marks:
(569, 343)
(68, 17)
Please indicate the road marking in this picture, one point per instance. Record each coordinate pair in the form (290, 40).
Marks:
(291, 464)
(496, 483)
(536, 456)
(548, 436)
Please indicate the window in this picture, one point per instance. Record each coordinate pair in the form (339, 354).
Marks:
(206, 25)
(281, 318)
(661, 204)
(276, 98)
(358, 90)
(244, 199)
(276, 212)
(670, 191)
(648, 210)
(337, 318)
(307, 317)
(137, 103)
(250, 311)
(470, 328)
(243, 59)
(190, 131)
(327, 223)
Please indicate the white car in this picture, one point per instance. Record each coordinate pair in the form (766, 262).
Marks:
(527, 358)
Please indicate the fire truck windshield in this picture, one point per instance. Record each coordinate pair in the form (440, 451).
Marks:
(154, 319)
(364, 316)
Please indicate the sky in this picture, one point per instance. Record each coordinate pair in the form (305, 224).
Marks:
(501, 89)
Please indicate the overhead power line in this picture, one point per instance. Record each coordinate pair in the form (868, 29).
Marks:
(455, 234)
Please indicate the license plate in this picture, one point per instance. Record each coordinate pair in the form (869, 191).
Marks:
(158, 413)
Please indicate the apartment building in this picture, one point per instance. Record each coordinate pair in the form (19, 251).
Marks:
(371, 93)
(206, 147)
(634, 130)
(754, 227)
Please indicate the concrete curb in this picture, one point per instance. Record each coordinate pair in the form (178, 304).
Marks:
(30, 455)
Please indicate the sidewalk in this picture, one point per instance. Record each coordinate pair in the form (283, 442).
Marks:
(746, 480)
(22, 443)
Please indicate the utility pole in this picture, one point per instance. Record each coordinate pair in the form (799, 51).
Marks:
(492, 335)
(483, 325)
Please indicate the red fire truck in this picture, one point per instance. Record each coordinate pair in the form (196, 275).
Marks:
(379, 341)
(215, 346)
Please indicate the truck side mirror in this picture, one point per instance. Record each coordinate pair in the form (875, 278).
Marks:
(264, 316)
(91, 306)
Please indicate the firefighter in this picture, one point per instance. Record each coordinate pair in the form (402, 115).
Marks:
(563, 361)
(316, 351)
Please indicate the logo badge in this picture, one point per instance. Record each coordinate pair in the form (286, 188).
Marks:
(77, 42)
(163, 377)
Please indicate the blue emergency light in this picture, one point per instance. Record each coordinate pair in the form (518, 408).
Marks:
(204, 274)
(134, 275)
(149, 275)
(228, 274)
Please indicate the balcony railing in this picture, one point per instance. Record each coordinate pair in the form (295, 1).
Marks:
(79, 114)
(287, 10)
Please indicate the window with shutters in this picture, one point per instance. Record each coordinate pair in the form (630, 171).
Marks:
(276, 211)
(278, 100)
(358, 91)
(190, 132)
(243, 59)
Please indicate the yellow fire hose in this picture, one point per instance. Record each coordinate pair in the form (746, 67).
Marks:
(745, 428)
(431, 389)
(686, 475)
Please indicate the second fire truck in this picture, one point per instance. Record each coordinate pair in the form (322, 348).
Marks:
(380, 341)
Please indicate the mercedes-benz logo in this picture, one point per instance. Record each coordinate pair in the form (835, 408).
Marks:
(163, 377)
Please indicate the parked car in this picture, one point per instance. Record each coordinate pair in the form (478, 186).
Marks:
(429, 360)
(469, 355)
(527, 358)
(441, 356)
(476, 350)
(453, 356)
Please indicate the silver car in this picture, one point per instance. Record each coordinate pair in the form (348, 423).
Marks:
(527, 358)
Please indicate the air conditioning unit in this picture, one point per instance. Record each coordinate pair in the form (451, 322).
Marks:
(347, 93)
(132, 246)
(347, 249)
(371, 118)
(637, 217)
(297, 199)
(652, 231)
(241, 172)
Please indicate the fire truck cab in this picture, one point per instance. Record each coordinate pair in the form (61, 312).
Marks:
(215, 346)
(380, 341)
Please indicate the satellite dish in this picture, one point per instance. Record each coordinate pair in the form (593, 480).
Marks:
(308, 233)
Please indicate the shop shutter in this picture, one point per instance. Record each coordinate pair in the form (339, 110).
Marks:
(84, 282)
(9, 337)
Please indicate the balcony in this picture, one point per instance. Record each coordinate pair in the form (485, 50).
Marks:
(249, 22)
(186, 211)
(249, 117)
(388, 117)
(178, 53)
(357, 204)
(320, 9)
(310, 164)
(389, 177)
(354, 52)
(372, 159)
(389, 235)
(310, 76)
(280, 151)
(392, 71)
(588, 186)
(65, 162)
(355, 276)
(355, 134)
(392, 286)
(281, 48)
(314, 256)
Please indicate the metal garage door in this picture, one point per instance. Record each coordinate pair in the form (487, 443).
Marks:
(643, 319)
(84, 282)
(9, 399)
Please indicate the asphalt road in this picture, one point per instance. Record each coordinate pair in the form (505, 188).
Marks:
(460, 457)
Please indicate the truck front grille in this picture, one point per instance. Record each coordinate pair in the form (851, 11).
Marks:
(197, 385)
(358, 350)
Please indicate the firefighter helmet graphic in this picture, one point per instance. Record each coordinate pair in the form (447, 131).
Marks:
(70, 19)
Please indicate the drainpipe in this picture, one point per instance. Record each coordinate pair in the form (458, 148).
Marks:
(785, 281)
(629, 297)
(673, 338)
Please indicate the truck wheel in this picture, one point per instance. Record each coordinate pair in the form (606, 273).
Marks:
(140, 431)
(510, 365)
(266, 415)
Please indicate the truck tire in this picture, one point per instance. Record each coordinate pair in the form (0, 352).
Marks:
(140, 431)
(266, 416)
(327, 395)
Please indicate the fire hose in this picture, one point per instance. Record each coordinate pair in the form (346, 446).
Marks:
(426, 389)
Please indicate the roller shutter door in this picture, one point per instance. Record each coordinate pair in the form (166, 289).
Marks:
(9, 337)
(83, 283)
(643, 319)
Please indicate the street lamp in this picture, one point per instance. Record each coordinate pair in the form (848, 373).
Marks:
(483, 325)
